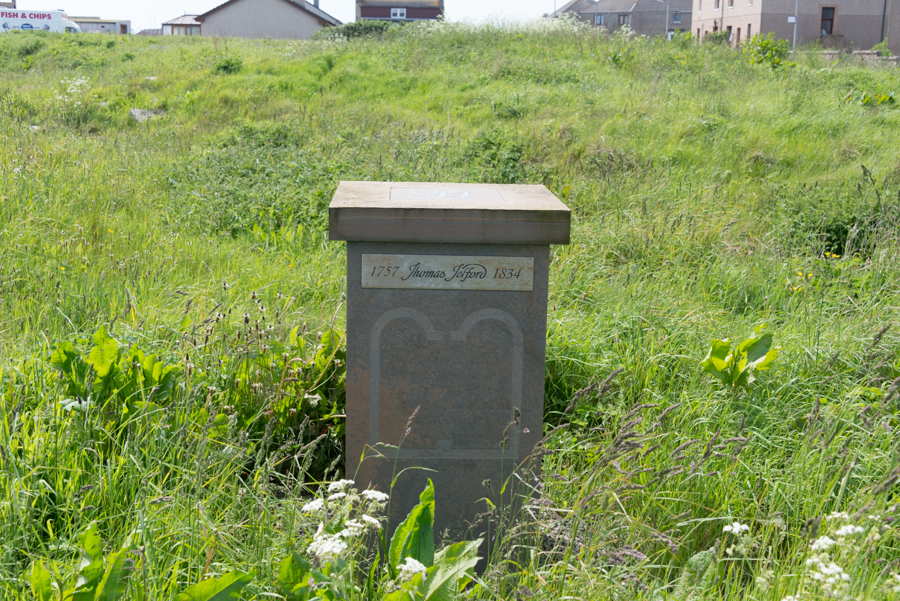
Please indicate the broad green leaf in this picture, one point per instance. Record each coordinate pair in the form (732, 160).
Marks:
(63, 356)
(293, 577)
(450, 565)
(696, 576)
(329, 342)
(104, 354)
(415, 536)
(719, 361)
(409, 591)
(224, 588)
(41, 582)
(115, 580)
(90, 570)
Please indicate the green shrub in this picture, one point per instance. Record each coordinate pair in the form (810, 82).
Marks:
(766, 50)
(881, 48)
(717, 37)
(357, 29)
(229, 65)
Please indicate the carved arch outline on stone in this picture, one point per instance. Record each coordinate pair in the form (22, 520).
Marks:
(459, 335)
(375, 357)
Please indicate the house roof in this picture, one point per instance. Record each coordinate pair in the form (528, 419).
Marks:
(624, 6)
(92, 20)
(315, 11)
(402, 3)
(150, 32)
(183, 20)
(652, 6)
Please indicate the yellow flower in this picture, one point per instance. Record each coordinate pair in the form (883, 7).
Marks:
(63, 268)
(110, 231)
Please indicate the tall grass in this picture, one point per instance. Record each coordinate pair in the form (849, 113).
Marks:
(709, 196)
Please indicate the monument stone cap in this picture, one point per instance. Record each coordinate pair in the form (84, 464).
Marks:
(445, 212)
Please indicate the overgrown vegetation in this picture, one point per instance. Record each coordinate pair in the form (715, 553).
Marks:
(171, 358)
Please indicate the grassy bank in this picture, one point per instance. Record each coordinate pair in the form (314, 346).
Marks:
(170, 341)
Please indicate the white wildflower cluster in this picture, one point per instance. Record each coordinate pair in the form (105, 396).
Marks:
(326, 546)
(74, 87)
(744, 540)
(831, 578)
(764, 580)
(893, 583)
(737, 528)
(410, 568)
(355, 513)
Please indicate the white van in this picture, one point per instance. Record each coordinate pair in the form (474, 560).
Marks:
(35, 20)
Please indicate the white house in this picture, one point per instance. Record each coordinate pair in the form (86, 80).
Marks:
(98, 25)
(280, 19)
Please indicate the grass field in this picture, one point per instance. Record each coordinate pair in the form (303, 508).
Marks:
(171, 369)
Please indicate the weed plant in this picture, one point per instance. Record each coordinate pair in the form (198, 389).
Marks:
(171, 361)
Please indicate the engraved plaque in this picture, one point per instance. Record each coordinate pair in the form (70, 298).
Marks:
(487, 195)
(442, 272)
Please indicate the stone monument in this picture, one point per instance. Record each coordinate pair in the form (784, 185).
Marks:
(447, 318)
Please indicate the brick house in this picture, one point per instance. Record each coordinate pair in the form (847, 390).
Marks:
(844, 24)
(390, 10)
(644, 17)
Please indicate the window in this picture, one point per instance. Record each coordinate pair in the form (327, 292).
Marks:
(698, 33)
(748, 31)
(623, 20)
(827, 20)
(676, 18)
(167, 30)
(123, 30)
(718, 4)
(398, 13)
(737, 40)
(729, 33)
(599, 20)
(730, 3)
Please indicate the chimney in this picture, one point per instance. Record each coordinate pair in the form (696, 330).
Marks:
(316, 3)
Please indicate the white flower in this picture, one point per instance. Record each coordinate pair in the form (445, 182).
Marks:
(823, 543)
(314, 506)
(411, 568)
(340, 485)
(848, 530)
(337, 496)
(375, 495)
(791, 598)
(838, 515)
(371, 521)
(326, 546)
(352, 528)
(736, 527)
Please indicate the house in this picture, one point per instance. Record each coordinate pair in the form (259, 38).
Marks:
(279, 19)
(183, 25)
(843, 24)
(98, 25)
(392, 10)
(644, 17)
(150, 32)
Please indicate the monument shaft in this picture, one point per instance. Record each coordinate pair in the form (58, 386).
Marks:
(451, 331)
